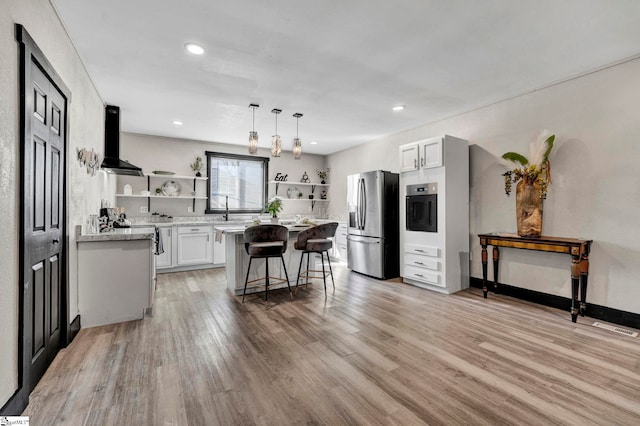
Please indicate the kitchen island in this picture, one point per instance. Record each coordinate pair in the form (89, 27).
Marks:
(116, 275)
(237, 259)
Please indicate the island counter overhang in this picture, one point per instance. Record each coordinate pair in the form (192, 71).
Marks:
(237, 260)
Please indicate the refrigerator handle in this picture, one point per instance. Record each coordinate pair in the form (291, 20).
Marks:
(359, 222)
(364, 204)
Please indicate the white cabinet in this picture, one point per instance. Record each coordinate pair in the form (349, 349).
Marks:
(431, 153)
(195, 245)
(409, 157)
(165, 260)
(219, 248)
(423, 154)
(423, 264)
(438, 260)
(340, 243)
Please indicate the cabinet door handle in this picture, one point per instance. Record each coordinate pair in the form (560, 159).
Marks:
(419, 275)
(422, 161)
(419, 250)
(169, 232)
(415, 162)
(195, 230)
(418, 263)
(207, 237)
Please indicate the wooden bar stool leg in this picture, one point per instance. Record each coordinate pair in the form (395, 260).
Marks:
(299, 270)
(324, 275)
(286, 275)
(246, 279)
(266, 283)
(307, 282)
(331, 271)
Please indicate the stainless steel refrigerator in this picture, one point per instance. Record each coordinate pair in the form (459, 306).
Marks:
(373, 237)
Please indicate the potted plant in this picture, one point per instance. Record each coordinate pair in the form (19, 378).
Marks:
(532, 177)
(274, 206)
(196, 166)
(322, 174)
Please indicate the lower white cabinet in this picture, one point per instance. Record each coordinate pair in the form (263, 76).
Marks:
(423, 264)
(340, 242)
(195, 245)
(165, 260)
(219, 248)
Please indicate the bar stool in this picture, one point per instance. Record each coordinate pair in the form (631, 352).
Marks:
(316, 240)
(266, 241)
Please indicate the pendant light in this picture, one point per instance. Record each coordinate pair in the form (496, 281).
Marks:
(253, 135)
(276, 141)
(297, 143)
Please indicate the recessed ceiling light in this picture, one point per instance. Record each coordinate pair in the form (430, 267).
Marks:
(177, 123)
(194, 48)
(313, 143)
(398, 108)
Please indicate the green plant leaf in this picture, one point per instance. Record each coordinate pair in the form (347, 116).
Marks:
(515, 157)
(549, 143)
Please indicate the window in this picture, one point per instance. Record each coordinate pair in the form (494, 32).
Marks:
(238, 182)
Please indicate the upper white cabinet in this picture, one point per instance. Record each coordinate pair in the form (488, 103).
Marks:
(431, 153)
(423, 154)
(409, 157)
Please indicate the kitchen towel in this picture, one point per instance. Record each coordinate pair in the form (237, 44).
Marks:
(218, 235)
(159, 247)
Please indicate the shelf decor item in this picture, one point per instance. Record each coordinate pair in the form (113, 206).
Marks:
(305, 178)
(196, 166)
(532, 176)
(274, 206)
(323, 174)
(171, 188)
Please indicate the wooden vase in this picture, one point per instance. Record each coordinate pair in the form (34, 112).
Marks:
(528, 208)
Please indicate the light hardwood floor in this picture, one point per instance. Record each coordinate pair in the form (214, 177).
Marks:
(371, 352)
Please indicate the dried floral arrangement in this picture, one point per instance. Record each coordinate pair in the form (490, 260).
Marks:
(535, 169)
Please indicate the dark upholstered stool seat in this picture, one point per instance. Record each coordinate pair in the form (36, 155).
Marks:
(319, 244)
(265, 241)
(316, 240)
(267, 249)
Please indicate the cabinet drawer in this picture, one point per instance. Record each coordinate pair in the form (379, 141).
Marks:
(422, 275)
(193, 229)
(423, 250)
(421, 261)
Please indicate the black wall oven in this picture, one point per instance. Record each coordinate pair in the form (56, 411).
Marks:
(422, 207)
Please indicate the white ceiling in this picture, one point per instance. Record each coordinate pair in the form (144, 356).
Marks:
(341, 63)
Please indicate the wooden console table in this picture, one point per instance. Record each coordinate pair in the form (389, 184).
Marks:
(578, 249)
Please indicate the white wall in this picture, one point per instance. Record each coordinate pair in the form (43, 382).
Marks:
(86, 124)
(170, 154)
(596, 183)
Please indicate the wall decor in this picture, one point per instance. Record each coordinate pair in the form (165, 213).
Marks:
(196, 166)
(280, 177)
(88, 159)
(323, 174)
(305, 178)
(532, 176)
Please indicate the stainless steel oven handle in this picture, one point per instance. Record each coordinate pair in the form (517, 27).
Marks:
(363, 242)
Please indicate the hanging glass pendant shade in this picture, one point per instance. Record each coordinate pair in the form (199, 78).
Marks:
(276, 141)
(297, 143)
(253, 135)
(297, 149)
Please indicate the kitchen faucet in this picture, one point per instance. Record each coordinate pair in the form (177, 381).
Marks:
(226, 208)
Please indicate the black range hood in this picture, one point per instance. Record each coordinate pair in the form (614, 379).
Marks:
(112, 162)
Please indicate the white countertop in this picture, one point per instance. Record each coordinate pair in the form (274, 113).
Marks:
(118, 234)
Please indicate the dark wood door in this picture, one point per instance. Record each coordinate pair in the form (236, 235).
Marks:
(43, 185)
